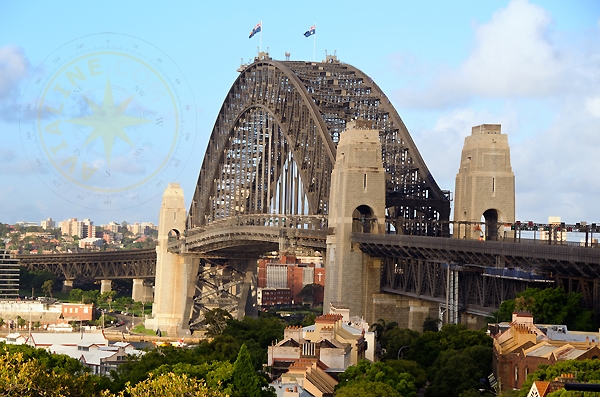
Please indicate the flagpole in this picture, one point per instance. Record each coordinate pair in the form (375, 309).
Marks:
(315, 43)
(260, 46)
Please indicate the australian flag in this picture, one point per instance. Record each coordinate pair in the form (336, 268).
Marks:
(310, 31)
(256, 29)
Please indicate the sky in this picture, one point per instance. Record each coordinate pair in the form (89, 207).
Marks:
(531, 66)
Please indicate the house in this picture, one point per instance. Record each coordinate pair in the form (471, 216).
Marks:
(309, 356)
(521, 346)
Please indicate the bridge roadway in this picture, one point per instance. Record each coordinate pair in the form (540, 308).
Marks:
(490, 271)
(105, 265)
(250, 236)
(413, 265)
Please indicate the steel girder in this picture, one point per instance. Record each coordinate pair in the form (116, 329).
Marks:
(478, 293)
(95, 265)
(273, 145)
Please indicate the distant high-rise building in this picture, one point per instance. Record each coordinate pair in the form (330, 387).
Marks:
(48, 224)
(9, 276)
(73, 227)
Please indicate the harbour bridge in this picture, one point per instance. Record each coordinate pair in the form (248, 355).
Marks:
(265, 185)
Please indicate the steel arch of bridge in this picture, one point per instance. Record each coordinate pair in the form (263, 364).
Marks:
(273, 145)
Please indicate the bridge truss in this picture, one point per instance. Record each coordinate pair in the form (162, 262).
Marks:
(273, 146)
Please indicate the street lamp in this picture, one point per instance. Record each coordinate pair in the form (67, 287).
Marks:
(399, 351)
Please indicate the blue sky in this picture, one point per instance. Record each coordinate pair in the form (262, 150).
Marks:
(533, 66)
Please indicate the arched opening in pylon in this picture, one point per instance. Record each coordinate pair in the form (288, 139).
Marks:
(490, 224)
(363, 220)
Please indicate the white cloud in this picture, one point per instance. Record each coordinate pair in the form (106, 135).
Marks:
(13, 68)
(512, 56)
(592, 105)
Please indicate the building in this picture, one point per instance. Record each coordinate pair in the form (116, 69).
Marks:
(290, 272)
(77, 311)
(90, 348)
(319, 351)
(274, 296)
(521, 346)
(73, 227)
(48, 224)
(91, 243)
(27, 224)
(9, 276)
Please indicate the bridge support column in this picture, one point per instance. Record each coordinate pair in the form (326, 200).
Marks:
(67, 286)
(485, 185)
(173, 272)
(105, 286)
(248, 303)
(417, 313)
(356, 205)
(141, 292)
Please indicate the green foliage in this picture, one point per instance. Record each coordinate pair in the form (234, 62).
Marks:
(245, 382)
(47, 287)
(550, 306)
(309, 319)
(257, 334)
(90, 296)
(431, 324)
(217, 374)
(585, 371)
(393, 338)
(169, 385)
(426, 349)
(365, 388)
(216, 321)
(402, 382)
(76, 295)
(456, 371)
(309, 292)
(34, 279)
(411, 367)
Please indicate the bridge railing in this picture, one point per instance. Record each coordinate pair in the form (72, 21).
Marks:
(304, 222)
(543, 234)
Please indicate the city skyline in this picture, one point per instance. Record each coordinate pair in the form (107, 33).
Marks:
(528, 65)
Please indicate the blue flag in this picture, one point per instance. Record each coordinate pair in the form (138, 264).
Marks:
(310, 31)
(256, 29)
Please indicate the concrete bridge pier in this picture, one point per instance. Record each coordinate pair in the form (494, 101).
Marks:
(141, 292)
(105, 286)
(248, 300)
(67, 286)
(174, 273)
(357, 205)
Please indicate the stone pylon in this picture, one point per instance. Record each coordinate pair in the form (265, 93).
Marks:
(174, 273)
(485, 185)
(357, 205)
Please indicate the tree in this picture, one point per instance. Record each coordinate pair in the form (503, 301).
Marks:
(107, 297)
(245, 382)
(431, 324)
(76, 295)
(365, 370)
(585, 371)
(550, 306)
(309, 293)
(21, 321)
(456, 371)
(168, 385)
(47, 287)
(216, 321)
(365, 388)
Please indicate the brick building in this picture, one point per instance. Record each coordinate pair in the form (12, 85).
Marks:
(521, 346)
(288, 272)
